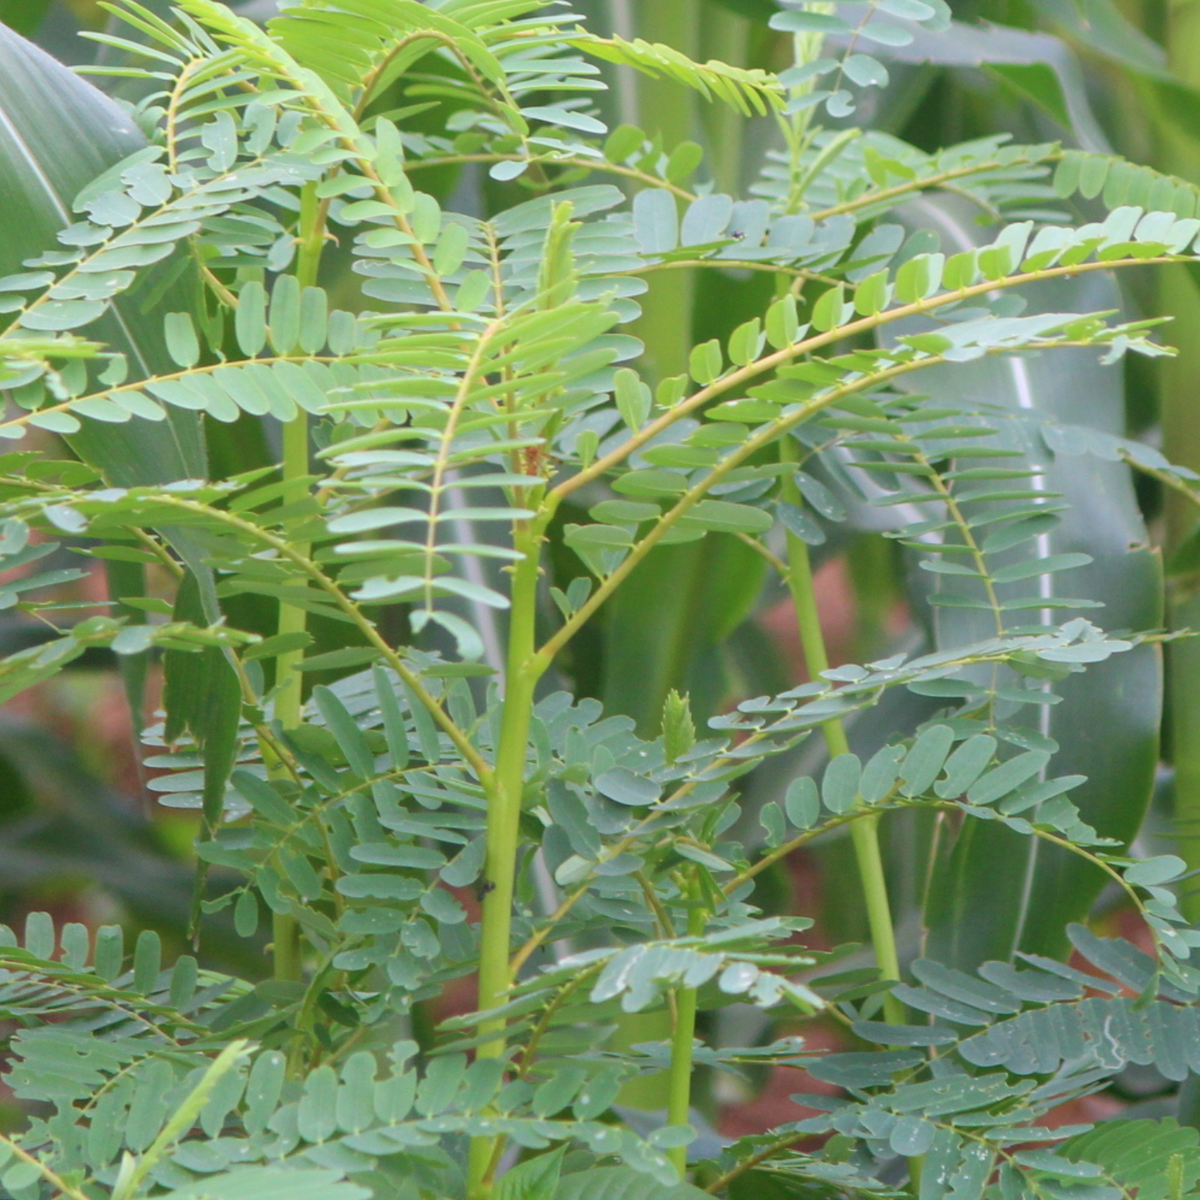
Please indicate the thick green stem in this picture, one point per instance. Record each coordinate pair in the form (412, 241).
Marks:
(292, 619)
(285, 948)
(864, 832)
(679, 1094)
(683, 1039)
(503, 821)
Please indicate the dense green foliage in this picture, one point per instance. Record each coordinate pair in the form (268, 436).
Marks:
(468, 457)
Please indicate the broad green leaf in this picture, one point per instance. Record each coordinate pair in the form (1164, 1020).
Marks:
(1007, 777)
(345, 729)
(24, 15)
(536, 1179)
(966, 764)
(664, 623)
(1158, 870)
(39, 936)
(871, 296)
(180, 336)
(202, 696)
(314, 317)
(451, 249)
(880, 774)
(1019, 896)
(1037, 82)
(726, 517)
(782, 322)
(744, 342)
(393, 719)
(706, 220)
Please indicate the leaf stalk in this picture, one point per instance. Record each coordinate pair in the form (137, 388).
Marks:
(683, 1040)
(293, 619)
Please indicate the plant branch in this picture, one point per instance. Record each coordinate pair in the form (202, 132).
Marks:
(286, 549)
(743, 375)
(48, 1174)
(748, 1164)
(591, 164)
(766, 434)
(892, 195)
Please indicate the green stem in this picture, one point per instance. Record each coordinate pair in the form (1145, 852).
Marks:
(864, 833)
(503, 821)
(293, 619)
(679, 1083)
(285, 948)
(865, 836)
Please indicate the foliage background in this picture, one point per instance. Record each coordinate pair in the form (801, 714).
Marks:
(80, 830)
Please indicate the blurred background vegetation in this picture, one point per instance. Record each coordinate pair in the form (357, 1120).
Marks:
(82, 831)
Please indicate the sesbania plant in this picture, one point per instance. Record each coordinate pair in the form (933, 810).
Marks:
(443, 810)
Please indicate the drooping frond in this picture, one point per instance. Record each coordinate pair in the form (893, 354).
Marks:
(750, 91)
